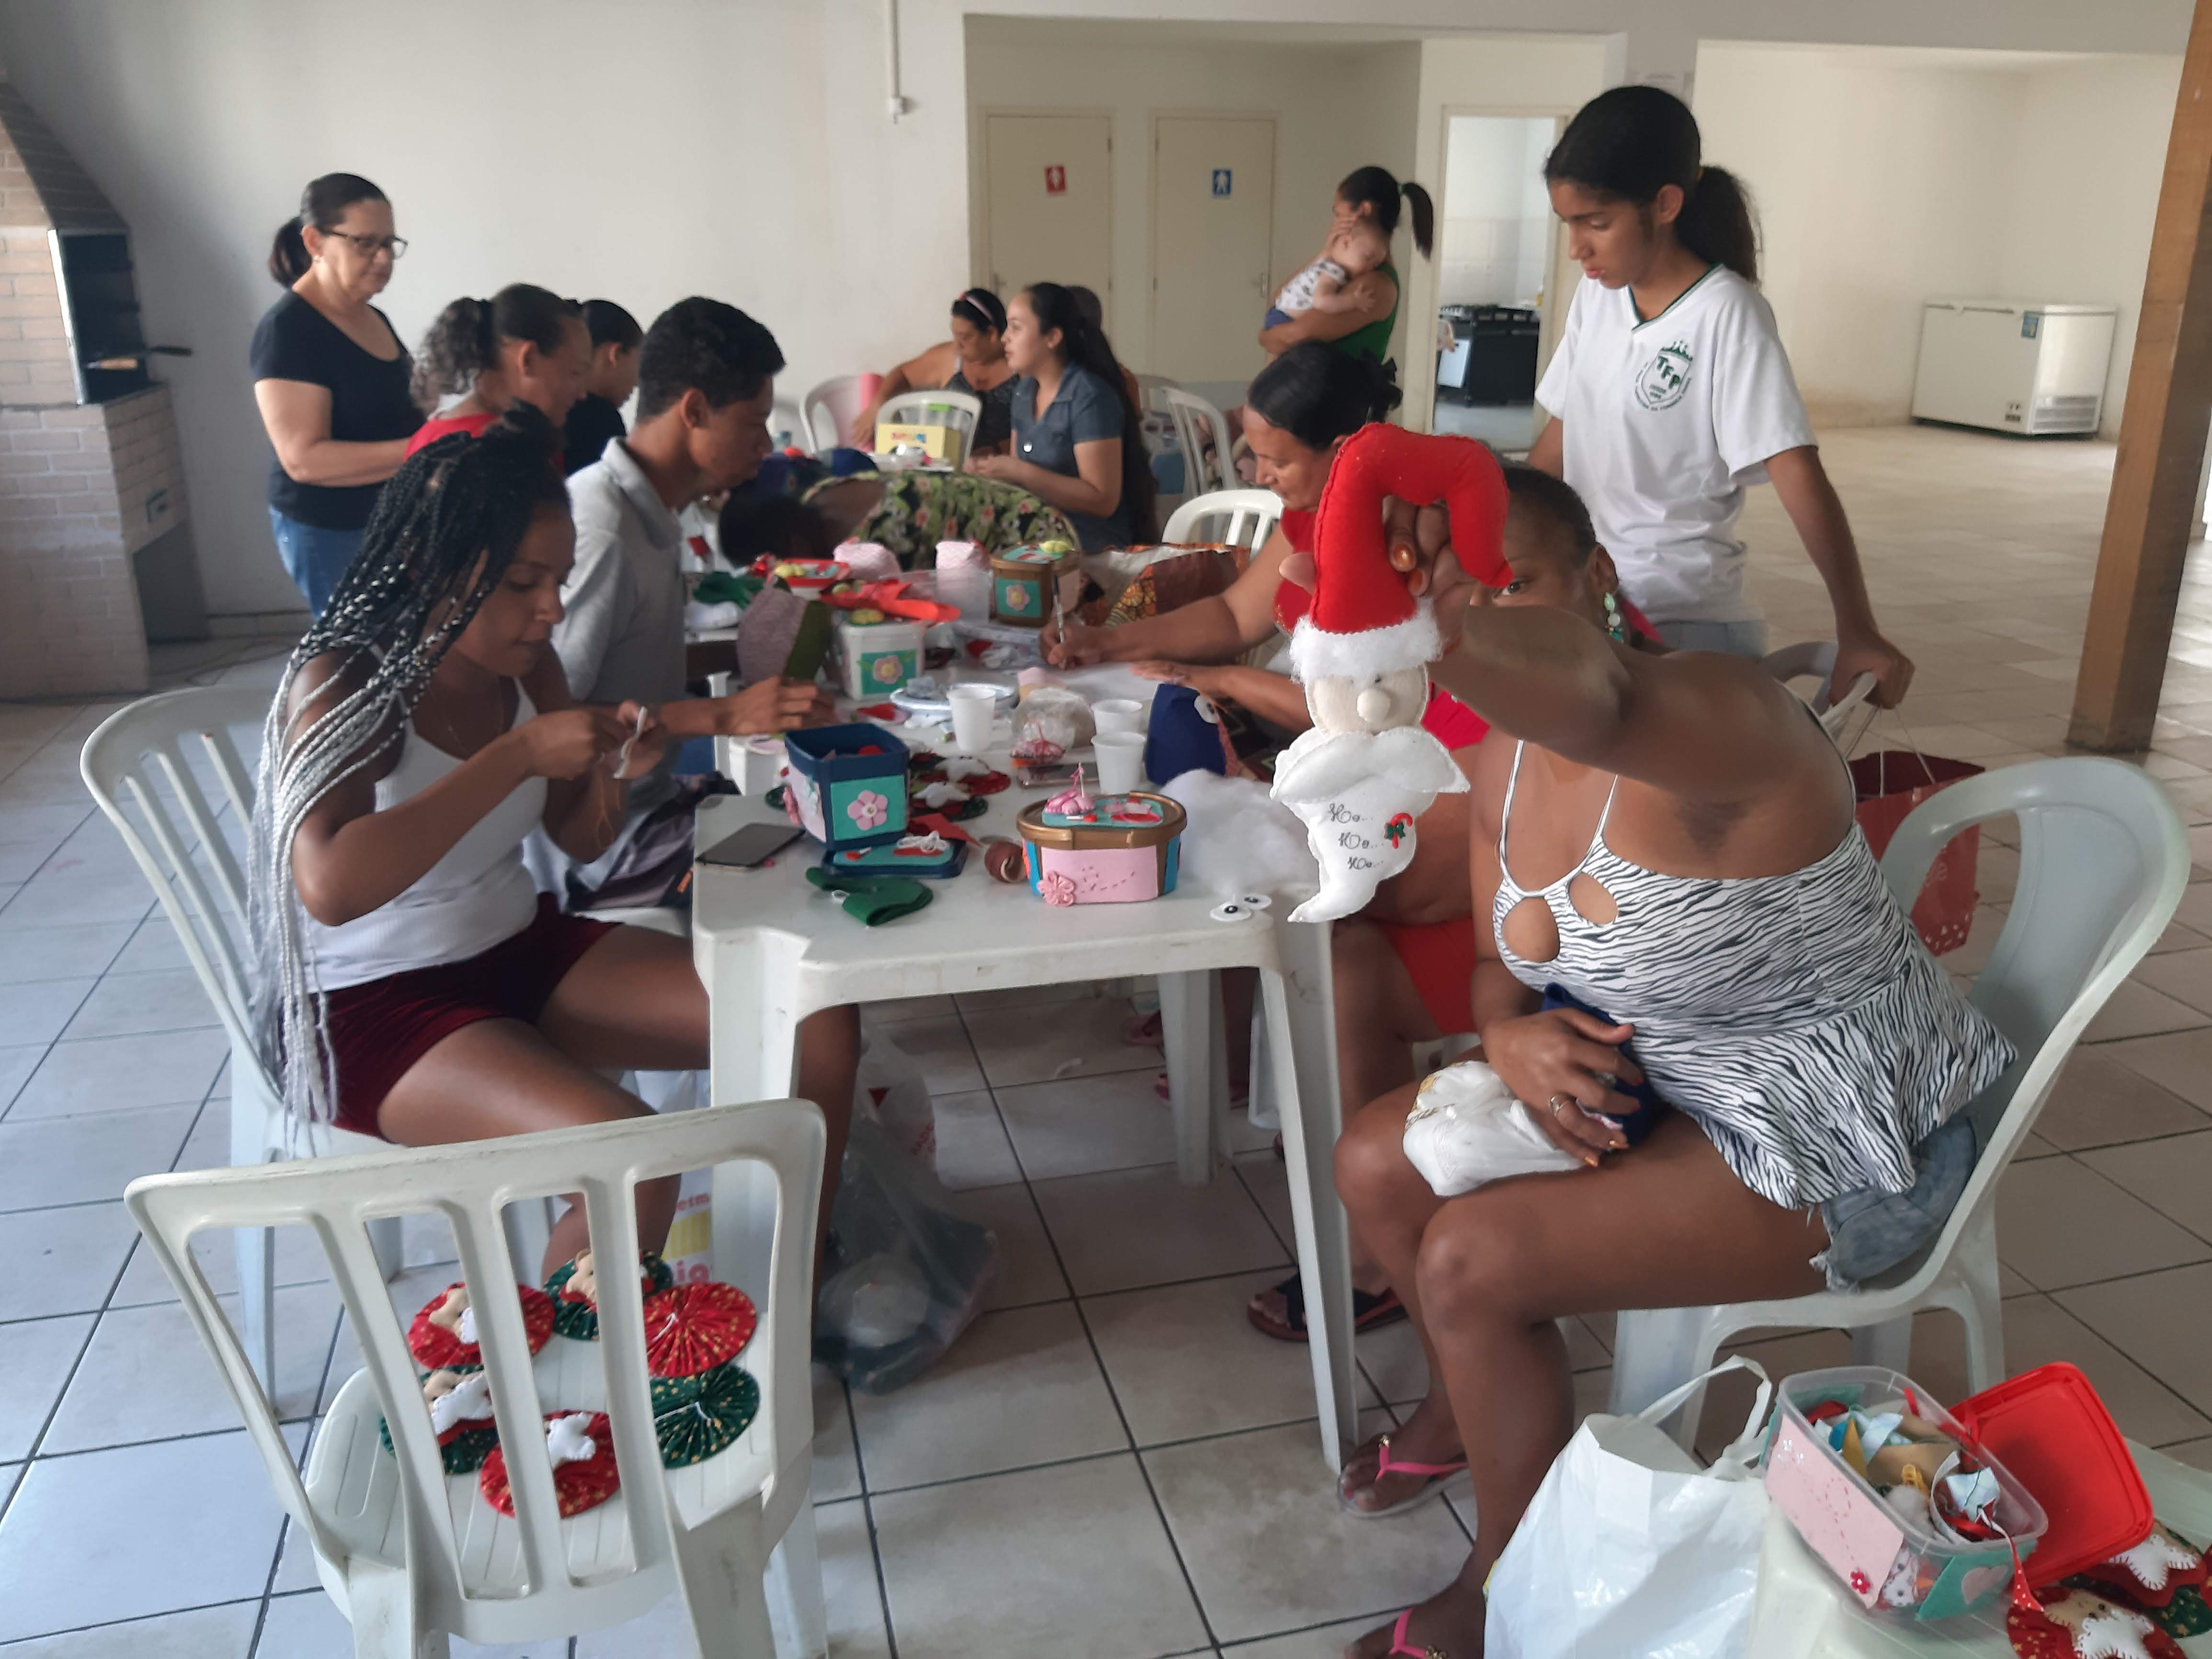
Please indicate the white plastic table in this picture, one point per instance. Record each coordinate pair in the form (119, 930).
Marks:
(773, 949)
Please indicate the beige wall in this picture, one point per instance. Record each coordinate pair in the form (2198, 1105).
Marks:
(655, 147)
(1335, 108)
(2090, 151)
(1881, 184)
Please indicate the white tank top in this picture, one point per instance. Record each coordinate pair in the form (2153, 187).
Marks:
(470, 900)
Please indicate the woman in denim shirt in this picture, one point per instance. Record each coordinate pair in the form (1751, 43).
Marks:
(1078, 440)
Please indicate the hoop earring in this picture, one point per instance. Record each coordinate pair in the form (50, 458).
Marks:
(1616, 626)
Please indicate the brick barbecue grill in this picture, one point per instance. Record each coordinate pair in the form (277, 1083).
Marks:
(95, 551)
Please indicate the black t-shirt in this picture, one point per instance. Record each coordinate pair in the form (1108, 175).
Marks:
(592, 420)
(368, 404)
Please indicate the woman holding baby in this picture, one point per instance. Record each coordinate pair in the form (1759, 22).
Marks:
(1348, 297)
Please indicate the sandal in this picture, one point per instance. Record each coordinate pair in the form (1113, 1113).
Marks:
(1370, 1312)
(1437, 1476)
(1399, 1645)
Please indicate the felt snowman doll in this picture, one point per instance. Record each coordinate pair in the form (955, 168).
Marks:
(1361, 778)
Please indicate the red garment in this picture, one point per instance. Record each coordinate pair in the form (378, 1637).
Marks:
(1440, 957)
(446, 425)
(378, 1030)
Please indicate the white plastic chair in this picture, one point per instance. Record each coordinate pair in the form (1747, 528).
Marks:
(408, 1553)
(1847, 718)
(193, 867)
(1194, 418)
(1240, 518)
(931, 408)
(2103, 860)
(832, 406)
(787, 425)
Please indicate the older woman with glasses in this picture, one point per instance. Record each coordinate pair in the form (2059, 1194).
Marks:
(330, 378)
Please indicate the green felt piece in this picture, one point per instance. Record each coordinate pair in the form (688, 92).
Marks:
(724, 1409)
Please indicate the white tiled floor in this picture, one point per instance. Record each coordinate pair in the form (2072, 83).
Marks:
(1111, 1462)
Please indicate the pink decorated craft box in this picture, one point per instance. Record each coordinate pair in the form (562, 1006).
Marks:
(1885, 1538)
(1116, 849)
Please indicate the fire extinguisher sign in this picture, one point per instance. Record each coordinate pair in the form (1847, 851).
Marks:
(1056, 181)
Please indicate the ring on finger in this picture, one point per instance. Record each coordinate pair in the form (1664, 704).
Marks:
(1560, 1103)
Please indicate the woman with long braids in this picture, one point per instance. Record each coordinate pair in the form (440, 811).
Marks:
(1078, 441)
(412, 984)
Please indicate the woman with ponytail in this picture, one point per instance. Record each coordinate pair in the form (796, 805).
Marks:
(525, 345)
(1373, 196)
(1670, 391)
(1079, 443)
(330, 378)
(411, 983)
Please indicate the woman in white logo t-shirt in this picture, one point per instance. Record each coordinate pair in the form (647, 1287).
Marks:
(1670, 393)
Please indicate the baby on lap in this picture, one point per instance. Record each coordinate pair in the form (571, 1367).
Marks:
(1326, 284)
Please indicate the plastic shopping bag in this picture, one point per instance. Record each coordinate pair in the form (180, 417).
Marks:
(905, 1273)
(1629, 1548)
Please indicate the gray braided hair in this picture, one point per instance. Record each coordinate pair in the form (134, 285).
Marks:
(443, 533)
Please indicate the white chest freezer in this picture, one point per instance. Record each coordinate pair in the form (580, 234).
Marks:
(2019, 366)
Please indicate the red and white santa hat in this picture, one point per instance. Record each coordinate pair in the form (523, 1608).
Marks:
(1363, 622)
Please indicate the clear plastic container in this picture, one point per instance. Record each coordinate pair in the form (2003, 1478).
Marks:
(1899, 1566)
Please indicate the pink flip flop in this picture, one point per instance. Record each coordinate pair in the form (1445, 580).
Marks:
(1399, 1644)
(1437, 1475)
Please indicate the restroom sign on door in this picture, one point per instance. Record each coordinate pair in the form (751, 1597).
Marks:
(1056, 181)
(1221, 181)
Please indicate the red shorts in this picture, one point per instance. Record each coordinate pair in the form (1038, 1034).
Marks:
(1440, 956)
(378, 1030)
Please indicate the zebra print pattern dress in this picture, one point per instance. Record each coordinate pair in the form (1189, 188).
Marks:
(1797, 1018)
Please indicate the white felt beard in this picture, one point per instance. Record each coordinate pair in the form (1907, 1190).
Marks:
(1360, 794)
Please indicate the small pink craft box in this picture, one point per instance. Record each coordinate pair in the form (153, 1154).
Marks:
(1106, 859)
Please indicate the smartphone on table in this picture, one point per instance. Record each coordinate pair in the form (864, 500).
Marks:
(752, 845)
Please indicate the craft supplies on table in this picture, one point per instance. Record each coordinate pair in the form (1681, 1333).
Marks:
(928, 695)
(876, 658)
(937, 439)
(848, 784)
(1112, 849)
(1025, 583)
(809, 576)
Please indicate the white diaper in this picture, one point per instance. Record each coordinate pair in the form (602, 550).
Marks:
(1466, 1128)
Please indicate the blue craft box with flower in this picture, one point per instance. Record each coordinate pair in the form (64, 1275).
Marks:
(847, 785)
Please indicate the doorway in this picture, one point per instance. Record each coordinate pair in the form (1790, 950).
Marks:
(1213, 226)
(1497, 278)
(1048, 202)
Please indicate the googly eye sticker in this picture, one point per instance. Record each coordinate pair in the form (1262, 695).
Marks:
(1254, 901)
(1231, 911)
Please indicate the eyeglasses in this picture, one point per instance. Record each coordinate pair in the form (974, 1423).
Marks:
(370, 247)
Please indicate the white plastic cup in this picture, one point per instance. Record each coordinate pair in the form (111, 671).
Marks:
(974, 708)
(1121, 761)
(1118, 714)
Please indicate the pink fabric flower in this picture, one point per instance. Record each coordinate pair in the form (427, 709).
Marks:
(1057, 888)
(868, 810)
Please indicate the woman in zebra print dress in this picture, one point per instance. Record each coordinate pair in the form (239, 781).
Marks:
(1671, 839)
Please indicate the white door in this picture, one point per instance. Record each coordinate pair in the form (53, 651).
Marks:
(1049, 195)
(1213, 226)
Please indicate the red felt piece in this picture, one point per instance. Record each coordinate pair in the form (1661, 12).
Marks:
(690, 1329)
(436, 1348)
(576, 1486)
(879, 711)
(1379, 461)
(987, 783)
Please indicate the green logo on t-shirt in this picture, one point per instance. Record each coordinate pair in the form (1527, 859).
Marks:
(1661, 383)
